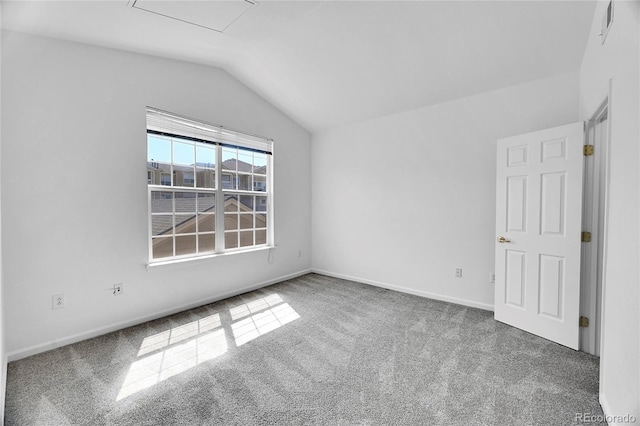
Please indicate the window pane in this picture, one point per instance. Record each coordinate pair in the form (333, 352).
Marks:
(230, 240)
(162, 224)
(206, 242)
(230, 203)
(246, 203)
(155, 172)
(165, 179)
(185, 244)
(229, 180)
(245, 161)
(246, 238)
(229, 158)
(244, 182)
(261, 237)
(260, 183)
(162, 247)
(230, 221)
(183, 153)
(185, 202)
(206, 202)
(183, 176)
(205, 178)
(206, 222)
(261, 203)
(158, 149)
(161, 202)
(185, 224)
(260, 163)
(246, 221)
(205, 156)
(261, 220)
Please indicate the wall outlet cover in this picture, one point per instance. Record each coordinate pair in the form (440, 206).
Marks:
(57, 301)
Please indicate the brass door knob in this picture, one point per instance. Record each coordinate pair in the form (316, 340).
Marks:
(503, 240)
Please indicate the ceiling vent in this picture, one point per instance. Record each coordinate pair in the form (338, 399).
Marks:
(212, 15)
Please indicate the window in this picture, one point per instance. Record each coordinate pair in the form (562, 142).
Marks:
(209, 188)
(188, 179)
(165, 179)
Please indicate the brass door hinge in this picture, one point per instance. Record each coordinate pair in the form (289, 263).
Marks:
(586, 237)
(587, 150)
(584, 322)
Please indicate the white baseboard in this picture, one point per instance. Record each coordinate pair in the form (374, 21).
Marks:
(435, 296)
(615, 419)
(605, 405)
(43, 347)
(3, 386)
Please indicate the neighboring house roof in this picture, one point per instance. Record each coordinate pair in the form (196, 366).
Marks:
(231, 165)
(162, 224)
(242, 167)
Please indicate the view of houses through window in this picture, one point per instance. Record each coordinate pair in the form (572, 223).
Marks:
(191, 179)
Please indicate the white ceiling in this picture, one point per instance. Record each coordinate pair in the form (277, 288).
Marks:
(330, 63)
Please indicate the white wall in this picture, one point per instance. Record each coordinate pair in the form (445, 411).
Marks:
(402, 200)
(618, 59)
(74, 196)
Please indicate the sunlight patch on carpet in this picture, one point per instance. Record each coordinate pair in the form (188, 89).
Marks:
(262, 323)
(177, 334)
(155, 368)
(171, 352)
(245, 309)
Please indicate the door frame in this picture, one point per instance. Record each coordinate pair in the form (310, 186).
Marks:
(595, 219)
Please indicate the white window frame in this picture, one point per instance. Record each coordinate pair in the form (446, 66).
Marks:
(219, 138)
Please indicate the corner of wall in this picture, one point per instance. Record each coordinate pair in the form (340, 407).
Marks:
(616, 62)
(3, 356)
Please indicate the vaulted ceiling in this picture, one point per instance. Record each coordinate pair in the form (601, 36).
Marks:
(330, 63)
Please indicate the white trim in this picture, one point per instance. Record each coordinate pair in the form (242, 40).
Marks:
(219, 198)
(606, 409)
(3, 386)
(429, 295)
(610, 416)
(173, 261)
(605, 220)
(57, 343)
(594, 207)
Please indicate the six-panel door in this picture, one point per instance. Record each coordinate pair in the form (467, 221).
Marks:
(538, 216)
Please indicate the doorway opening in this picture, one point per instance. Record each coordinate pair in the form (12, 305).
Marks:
(594, 212)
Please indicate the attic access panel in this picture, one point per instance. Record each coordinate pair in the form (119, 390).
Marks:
(212, 15)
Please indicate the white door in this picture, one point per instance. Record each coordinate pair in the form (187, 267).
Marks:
(538, 226)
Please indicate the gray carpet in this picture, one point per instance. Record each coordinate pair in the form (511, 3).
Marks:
(311, 350)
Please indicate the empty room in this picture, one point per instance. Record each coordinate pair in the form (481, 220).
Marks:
(319, 212)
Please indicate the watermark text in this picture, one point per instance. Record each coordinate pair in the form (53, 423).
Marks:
(601, 418)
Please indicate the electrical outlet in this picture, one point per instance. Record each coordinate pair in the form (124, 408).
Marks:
(57, 301)
(117, 289)
(492, 277)
(458, 272)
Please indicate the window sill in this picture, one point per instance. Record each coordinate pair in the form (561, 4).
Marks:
(190, 260)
